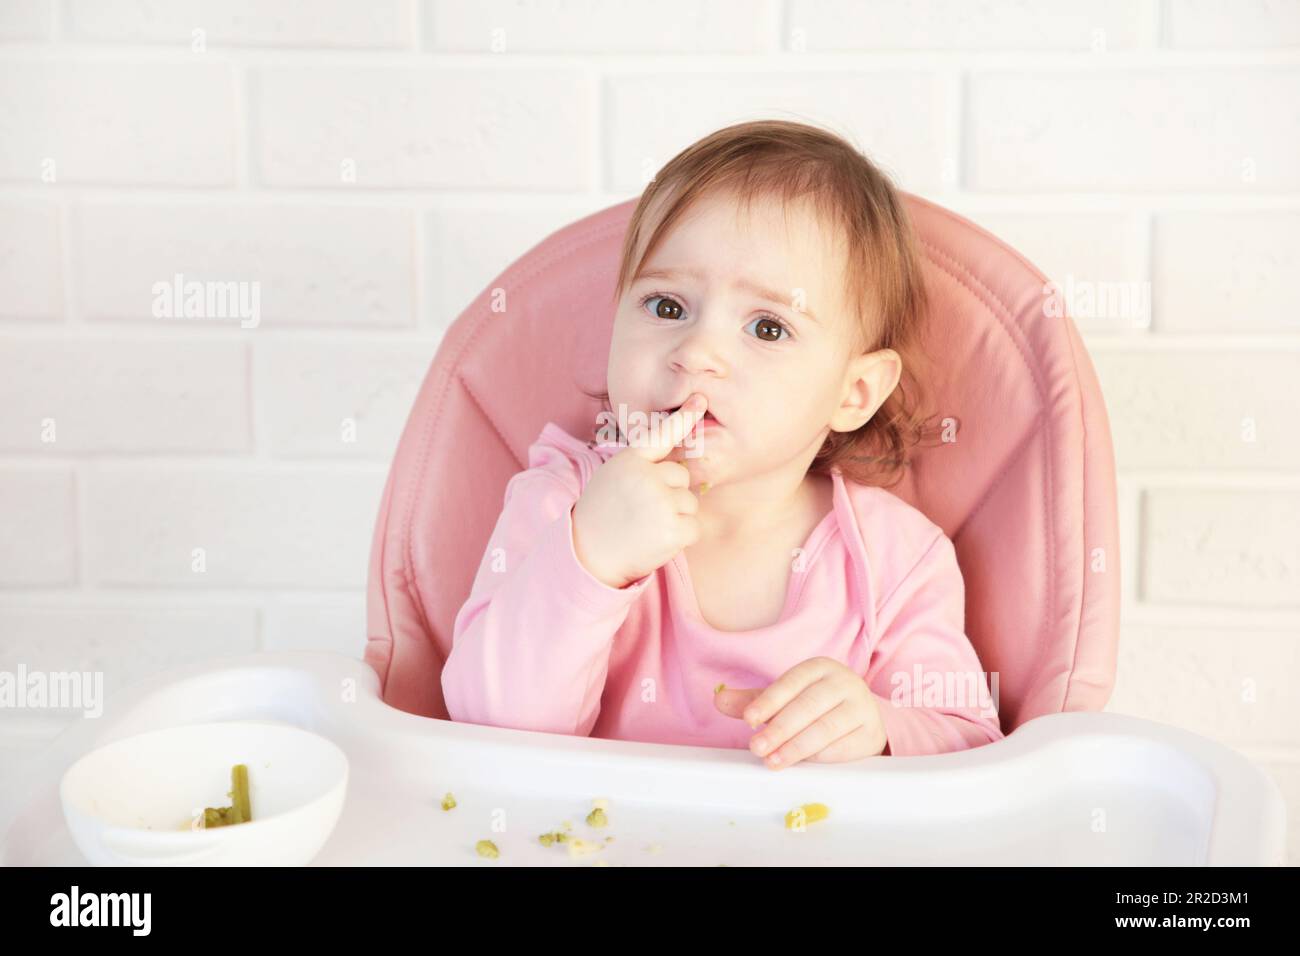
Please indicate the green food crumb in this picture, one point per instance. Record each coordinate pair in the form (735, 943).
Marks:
(597, 818)
(580, 847)
(487, 848)
(720, 688)
(448, 802)
(797, 818)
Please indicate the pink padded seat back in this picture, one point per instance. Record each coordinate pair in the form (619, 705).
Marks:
(1026, 492)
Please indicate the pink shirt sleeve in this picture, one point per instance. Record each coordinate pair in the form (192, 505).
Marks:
(927, 678)
(531, 645)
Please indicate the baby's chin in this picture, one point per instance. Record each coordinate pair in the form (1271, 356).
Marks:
(702, 467)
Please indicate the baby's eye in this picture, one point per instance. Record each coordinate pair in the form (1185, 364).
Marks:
(769, 328)
(663, 310)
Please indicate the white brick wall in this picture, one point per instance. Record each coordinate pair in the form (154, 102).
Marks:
(318, 264)
(372, 165)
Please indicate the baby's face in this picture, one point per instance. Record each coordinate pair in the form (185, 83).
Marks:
(762, 331)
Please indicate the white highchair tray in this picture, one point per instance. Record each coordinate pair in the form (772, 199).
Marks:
(1072, 789)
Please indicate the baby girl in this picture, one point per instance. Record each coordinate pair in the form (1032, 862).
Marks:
(727, 557)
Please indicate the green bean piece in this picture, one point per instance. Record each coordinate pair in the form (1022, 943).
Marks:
(216, 817)
(239, 777)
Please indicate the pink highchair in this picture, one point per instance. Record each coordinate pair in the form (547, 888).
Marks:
(1026, 491)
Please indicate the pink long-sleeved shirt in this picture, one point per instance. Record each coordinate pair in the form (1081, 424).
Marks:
(541, 644)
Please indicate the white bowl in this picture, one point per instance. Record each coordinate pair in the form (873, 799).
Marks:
(134, 802)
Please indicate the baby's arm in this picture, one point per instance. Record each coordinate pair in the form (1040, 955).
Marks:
(922, 625)
(530, 647)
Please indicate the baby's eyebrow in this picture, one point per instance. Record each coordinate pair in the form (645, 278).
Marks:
(740, 282)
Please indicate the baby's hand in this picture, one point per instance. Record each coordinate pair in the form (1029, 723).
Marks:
(638, 511)
(818, 710)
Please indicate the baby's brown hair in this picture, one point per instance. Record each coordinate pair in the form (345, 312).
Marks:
(796, 161)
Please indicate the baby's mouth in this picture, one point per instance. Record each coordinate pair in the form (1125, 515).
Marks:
(708, 415)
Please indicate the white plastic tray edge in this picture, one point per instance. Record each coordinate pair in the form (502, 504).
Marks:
(1249, 821)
